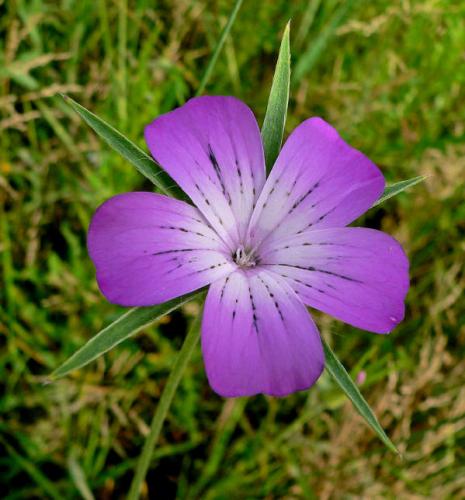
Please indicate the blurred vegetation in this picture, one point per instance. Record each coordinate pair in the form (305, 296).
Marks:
(390, 77)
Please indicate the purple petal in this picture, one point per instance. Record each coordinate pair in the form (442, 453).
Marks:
(212, 148)
(258, 337)
(358, 275)
(318, 181)
(148, 248)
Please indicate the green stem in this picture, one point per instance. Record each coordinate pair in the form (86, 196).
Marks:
(219, 46)
(165, 401)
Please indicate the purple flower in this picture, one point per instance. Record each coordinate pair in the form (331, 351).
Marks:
(267, 247)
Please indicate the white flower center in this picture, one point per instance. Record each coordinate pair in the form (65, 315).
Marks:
(244, 257)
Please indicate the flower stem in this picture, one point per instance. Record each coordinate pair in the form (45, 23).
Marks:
(165, 401)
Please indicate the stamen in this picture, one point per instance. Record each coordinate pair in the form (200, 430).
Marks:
(244, 258)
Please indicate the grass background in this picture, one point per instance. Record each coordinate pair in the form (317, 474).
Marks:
(390, 77)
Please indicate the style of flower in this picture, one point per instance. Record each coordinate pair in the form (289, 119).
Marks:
(267, 247)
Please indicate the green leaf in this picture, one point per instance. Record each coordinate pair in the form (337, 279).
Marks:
(342, 378)
(398, 187)
(276, 110)
(124, 327)
(127, 149)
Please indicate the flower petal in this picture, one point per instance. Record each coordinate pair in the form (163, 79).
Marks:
(318, 181)
(148, 248)
(212, 148)
(258, 337)
(357, 275)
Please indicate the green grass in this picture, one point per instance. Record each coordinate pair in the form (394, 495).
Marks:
(390, 77)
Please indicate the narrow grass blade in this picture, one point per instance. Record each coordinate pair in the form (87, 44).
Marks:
(398, 187)
(58, 128)
(43, 482)
(276, 110)
(121, 73)
(219, 46)
(306, 23)
(79, 478)
(174, 378)
(316, 46)
(122, 145)
(124, 327)
(342, 378)
(233, 409)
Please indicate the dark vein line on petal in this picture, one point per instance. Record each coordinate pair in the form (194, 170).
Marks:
(217, 169)
(185, 250)
(213, 266)
(302, 198)
(320, 218)
(314, 269)
(296, 245)
(297, 280)
(181, 250)
(184, 230)
(272, 297)
(239, 173)
(254, 309)
(207, 201)
(223, 288)
(235, 308)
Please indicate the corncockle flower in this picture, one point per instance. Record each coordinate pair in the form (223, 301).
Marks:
(267, 247)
